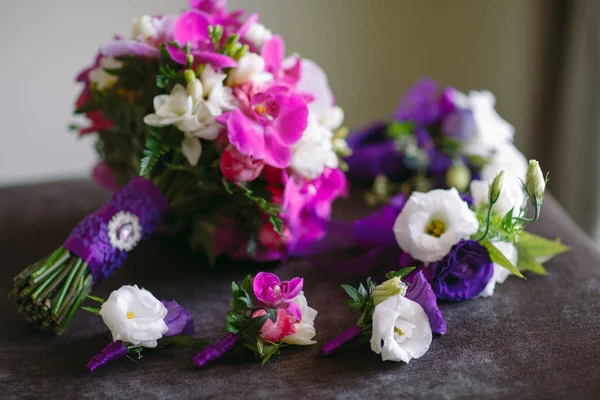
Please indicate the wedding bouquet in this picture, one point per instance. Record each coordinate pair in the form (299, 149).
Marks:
(438, 138)
(203, 126)
(442, 249)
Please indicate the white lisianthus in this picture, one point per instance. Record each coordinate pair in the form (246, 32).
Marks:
(431, 223)
(500, 273)
(248, 67)
(506, 158)
(314, 151)
(144, 27)
(218, 96)
(134, 316)
(305, 329)
(258, 35)
(401, 330)
(491, 131)
(102, 79)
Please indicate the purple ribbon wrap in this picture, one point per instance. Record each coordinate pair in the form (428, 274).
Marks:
(217, 350)
(113, 351)
(345, 337)
(89, 240)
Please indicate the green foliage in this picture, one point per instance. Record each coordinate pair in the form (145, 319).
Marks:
(540, 247)
(95, 298)
(155, 149)
(497, 257)
(502, 228)
(527, 262)
(400, 273)
(399, 130)
(362, 300)
(166, 74)
(93, 310)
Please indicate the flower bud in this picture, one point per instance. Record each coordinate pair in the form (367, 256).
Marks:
(496, 187)
(189, 75)
(458, 176)
(389, 288)
(535, 182)
(143, 27)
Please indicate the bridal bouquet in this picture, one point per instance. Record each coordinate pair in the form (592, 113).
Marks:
(203, 126)
(435, 246)
(438, 138)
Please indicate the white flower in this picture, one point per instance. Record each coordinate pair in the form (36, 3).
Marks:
(401, 330)
(172, 109)
(102, 79)
(220, 97)
(491, 131)
(332, 118)
(314, 151)
(514, 164)
(501, 273)
(305, 329)
(431, 223)
(134, 316)
(258, 35)
(248, 67)
(144, 27)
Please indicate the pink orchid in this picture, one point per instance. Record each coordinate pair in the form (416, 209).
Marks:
(285, 71)
(192, 26)
(270, 291)
(307, 205)
(275, 120)
(237, 167)
(275, 331)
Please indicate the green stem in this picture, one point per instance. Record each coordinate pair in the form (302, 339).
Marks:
(84, 291)
(63, 291)
(48, 268)
(489, 222)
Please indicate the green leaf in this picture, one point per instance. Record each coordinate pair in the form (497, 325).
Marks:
(400, 273)
(92, 310)
(527, 262)
(269, 350)
(272, 313)
(250, 328)
(352, 292)
(397, 130)
(98, 299)
(153, 152)
(538, 246)
(234, 288)
(499, 258)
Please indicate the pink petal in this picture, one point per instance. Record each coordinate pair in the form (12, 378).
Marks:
(292, 119)
(294, 288)
(122, 48)
(216, 60)
(192, 26)
(276, 154)
(294, 72)
(244, 136)
(176, 54)
(293, 310)
(263, 281)
(246, 25)
(273, 52)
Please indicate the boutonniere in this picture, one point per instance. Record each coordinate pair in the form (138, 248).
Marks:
(265, 315)
(401, 315)
(137, 320)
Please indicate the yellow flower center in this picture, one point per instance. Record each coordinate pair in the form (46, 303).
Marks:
(398, 331)
(260, 109)
(436, 228)
(129, 315)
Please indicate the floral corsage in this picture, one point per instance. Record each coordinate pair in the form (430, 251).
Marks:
(445, 250)
(137, 320)
(265, 315)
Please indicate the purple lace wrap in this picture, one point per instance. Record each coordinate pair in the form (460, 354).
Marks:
(113, 351)
(89, 240)
(213, 352)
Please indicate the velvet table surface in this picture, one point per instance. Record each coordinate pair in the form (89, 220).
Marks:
(538, 338)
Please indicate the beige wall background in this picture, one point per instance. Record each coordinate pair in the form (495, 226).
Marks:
(373, 51)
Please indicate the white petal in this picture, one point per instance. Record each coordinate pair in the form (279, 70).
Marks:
(305, 329)
(191, 148)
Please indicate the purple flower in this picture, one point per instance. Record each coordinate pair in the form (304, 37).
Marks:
(270, 291)
(419, 291)
(423, 104)
(178, 319)
(274, 122)
(459, 124)
(463, 273)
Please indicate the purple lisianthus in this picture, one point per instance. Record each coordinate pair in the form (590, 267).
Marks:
(269, 290)
(463, 273)
(423, 104)
(178, 319)
(419, 291)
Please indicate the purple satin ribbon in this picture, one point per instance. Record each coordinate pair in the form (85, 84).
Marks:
(217, 350)
(346, 337)
(113, 351)
(90, 241)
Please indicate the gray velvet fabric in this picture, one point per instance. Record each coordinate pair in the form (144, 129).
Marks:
(534, 339)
